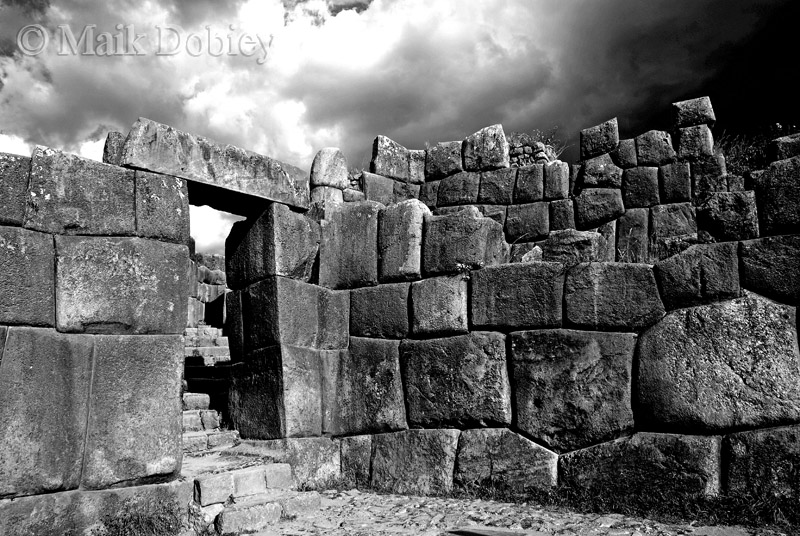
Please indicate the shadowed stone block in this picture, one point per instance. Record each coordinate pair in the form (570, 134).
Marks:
(625, 154)
(676, 182)
(708, 175)
(654, 148)
(334, 315)
(439, 305)
(400, 241)
(693, 112)
(350, 195)
(771, 267)
(497, 187)
(457, 381)
(608, 231)
(497, 458)
(416, 166)
(571, 247)
(596, 206)
(719, 367)
(695, 142)
(530, 184)
(562, 215)
(414, 461)
(763, 462)
(485, 150)
(528, 222)
(784, 147)
(601, 172)
(700, 274)
(356, 452)
(640, 187)
(73, 195)
(389, 159)
(518, 295)
(162, 207)
(402, 191)
(380, 312)
(26, 277)
(14, 175)
(349, 248)
(778, 197)
(729, 216)
(120, 285)
(443, 159)
(112, 150)
(644, 467)
(329, 168)
(668, 224)
(572, 388)
(556, 180)
(459, 189)
(377, 188)
(599, 139)
(44, 391)
(134, 411)
(632, 236)
(429, 193)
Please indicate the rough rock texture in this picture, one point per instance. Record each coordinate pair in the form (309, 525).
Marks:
(329, 195)
(572, 247)
(459, 189)
(720, 366)
(160, 148)
(599, 139)
(315, 461)
(120, 285)
(669, 223)
(632, 236)
(400, 241)
(646, 467)
(527, 222)
(389, 159)
(378, 188)
(562, 215)
(596, 206)
(443, 159)
(654, 148)
(676, 182)
(601, 172)
(572, 388)
(14, 176)
(771, 267)
(356, 452)
(530, 184)
(495, 212)
(429, 193)
(416, 166)
(457, 381)
(351, 195)
(701, 274)
(693, 112)
(439, 306)
(498, 458)
(729, 216)
(278, 242)
(497, 187)
(26, 277)
(763, 462)
(329, 168)
(162, 207)
(485, 150)
(380, 312)
(414, 462)
(612, 296)
(348, 254)
(708, 175)
(695, 142)
(134, 425)
(74, 195)
(625, 154)
(607, 246)
(518, 295)
(778, 197)
(640, 187)
(784, 147)
(556, 180)
(112, 150)
(464, 238)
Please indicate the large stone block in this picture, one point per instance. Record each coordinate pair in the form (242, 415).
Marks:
(439, 306)
(654, 148)
(719, 367)
(784, 147)
(676, 182)
(378, 188)
(162, 207)
(416, 166)
(556, 180)
(599, 139)
(695, 142)
(669, 223)
(632, 236)
(152, 146)
(708, 176)
(14, 175)
(329, 168)
(778, 197)
(497, 458)
(348, 255)
(625, 154)
(485, 150)
(640, 187)
(601, 172)
(389, 159)
(380, 312)
(572, 388)
(134, 425)
(562, 215)
(356, 452)
(771, 267)
(646, 467)
(443, 159)
(463, 239)
(610, 295)
(457, 381)
(26, 277)
(530, 184)
(278, 242)
(596, 206)
(729, 216)
(400, 241)
(418, 462)
(693, 112)
(362, 389)
(459, 189)
(518, 295)
(120, 285)
(327, 195)
(571, 247)
(73, 195)
(528, 222)
(429, 194)
(497, 187)
(701, 274)
(763, 462)
(334, 319)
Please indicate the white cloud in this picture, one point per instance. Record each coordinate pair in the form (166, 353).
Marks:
(14, 145)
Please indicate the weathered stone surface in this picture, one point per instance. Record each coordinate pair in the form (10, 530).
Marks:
(329, 168)
(356, 452)
(212, 261)
(528, 222)
(162, 207)
(596, 206)
(462, 239)
(160, 148)
(497, 187)
(134, 425)
(518, 295)
(74, 195)
(380, 312)
(572, 388)
(416, 166)
(763, 462)
(443, 159)
(736, 183)
(26, 277)
(625, 154)
(695, 142)
(497, 458)
(459, 189)
(671, 222)
(530, 184)
(708, 175)
(729, 216)
(693, 112)
(701, 274)
(364, 389)
(329, 195)
(601, 172)
(247, 516)
(348, 255)
(350, 195)
(334, 314)
(533, 255)
(784, 147)
(378, 188)
(572, 247)
(120, 285)
(599, 139)
(632, 236)
(778, 197)
(439, 305)
(429, 193)
(401, 191)
(112, 150)
(457, 381)
(44, 392)
(640, 187)
(485, 150)
(607, 251)
(315, 461)
(654, 148)
(556, 180)
(676, 182)
(14, 175)
(721, 366)
(612, 295)
(771, 267)
(389, 159)
(562, 215)
(400, 241)
(414, 462)
(645, 467)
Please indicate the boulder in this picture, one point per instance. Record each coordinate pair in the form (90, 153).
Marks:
(27, 277)
(720, 367)
(701, 274)
(329, 168)
(443, 159)
(640, 187)
(556, 180)
(14, 174)
(601, 172)
(763, 463)
(457, 381)
(778, 197)
(400, 241)
(485, 150)
(348, 254)
(439, 306)
(693, 112)
(654, 148)
(676, 182)
(695, 142)
(632, 236)
(356, 452)
(530, 184)
(729, 216)
(562, 215)
(625, 154)
(571, 247)
(596, 206)
(771, 267)
(599, 139)
(572, 389)
(459, 189)
(784, 147)
(418, 462)
(497, 187)
(528, 222)
(380, 312)
(416, 166)
(389, 159)
(112, 150)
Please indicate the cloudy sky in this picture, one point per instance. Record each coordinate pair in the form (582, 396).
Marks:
(295, 76)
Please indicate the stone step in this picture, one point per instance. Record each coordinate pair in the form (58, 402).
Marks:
(203, 331)
(194, 442)
(196, 401)
(259, 512)
(192, 342)
(207, 356)
(199, 420)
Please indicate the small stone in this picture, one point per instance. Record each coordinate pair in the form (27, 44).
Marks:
(389, 159)
(439, 306)
(771, 267)
(596, 206)
(414, 462)
(599, 139)
(693, 112)
(442, 160)
(556, 180)
(625, 154)
(676, 182)
(654, 148)
(729, 216)
(632, 236)
(640, 187)
(528, 222)
(562, 215)
(485, 150)
(497, 187)
(695, 142)
(700, 274)
(459, 189)
(601, 172)
(530, 184)
(329, 168)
